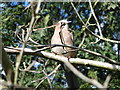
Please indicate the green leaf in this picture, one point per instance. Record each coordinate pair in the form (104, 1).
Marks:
(46, 19)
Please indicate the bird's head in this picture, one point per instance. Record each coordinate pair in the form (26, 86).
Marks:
(63, 24)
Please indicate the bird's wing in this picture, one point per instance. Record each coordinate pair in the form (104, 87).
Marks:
(71, 36)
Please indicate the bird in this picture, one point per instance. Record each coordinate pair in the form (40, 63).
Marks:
(63, 36)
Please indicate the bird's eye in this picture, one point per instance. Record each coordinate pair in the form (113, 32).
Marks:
(62, 24)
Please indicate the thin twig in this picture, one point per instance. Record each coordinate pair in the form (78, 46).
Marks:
(33, 41)
(48, 79)
(44, 28)
(32, 71)
(77, 13)
(91, 13)
(92, 43)
(95, 42)
(82, 40)
(92, 10)
(29, 67)
(53, 72)
(38, 84)
(23, 33)
(19, 37)
(100, 37)
(23, 46)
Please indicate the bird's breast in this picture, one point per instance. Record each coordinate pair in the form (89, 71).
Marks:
(64, 39)
(56, 40)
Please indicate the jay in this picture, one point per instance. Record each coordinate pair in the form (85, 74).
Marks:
(63, 36)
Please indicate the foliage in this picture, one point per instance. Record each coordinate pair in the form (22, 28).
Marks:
(14, 16)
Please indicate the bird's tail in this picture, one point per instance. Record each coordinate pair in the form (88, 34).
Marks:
(72, 80)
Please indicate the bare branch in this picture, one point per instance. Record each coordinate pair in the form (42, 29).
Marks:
(33, 41)
(23, 33)
(78, 48)
(82, 41)
(38, 7)
(45, 47)
(48, 79)
(91, 14)
(107, 81)
(85, 25)
(53, 72)
(43, 78)
(102, 38)
(29, 67)
(61, 59)
(29, 31)
(92, 10)
(44, 28)
(77, 13)
(80, 75)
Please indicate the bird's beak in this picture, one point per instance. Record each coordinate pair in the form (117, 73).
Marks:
(69, 21)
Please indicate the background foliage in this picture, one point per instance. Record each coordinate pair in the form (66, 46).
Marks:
(14, 16)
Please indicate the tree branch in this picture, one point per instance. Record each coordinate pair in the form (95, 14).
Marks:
(85, 25)
(92, 10)
(107, 81)
(80, 75)
(76, 48)
(61, 58)
(29, 31)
